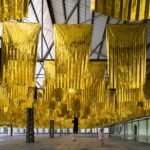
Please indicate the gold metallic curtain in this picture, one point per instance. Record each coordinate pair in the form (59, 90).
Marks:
(18, 60)
(4, 103)
(94, 88)
(41, 115)
(19, 53)
(80, 88)
(72, 44)
(96, 71)
(126, 51)
(130, 95)
(50, 81)
(13, 9)
(41, 111)
(130, 10)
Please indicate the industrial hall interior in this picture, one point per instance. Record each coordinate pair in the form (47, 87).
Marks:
(75, 74)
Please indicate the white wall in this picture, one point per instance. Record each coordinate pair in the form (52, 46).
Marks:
(143, 130)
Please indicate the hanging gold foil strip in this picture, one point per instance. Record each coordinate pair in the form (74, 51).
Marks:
(94, 85)
(146, 90)
(72, 53)
(30, 97)
(96, 71)
(19, 53)
(50, 70)
(13, 9)
(50, 81)
(130, 95)
(4, 91)
(73, 100)
(126, 49)
(130, 10)
(43, 121)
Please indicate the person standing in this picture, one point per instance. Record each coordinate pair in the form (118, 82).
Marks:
(75, 128)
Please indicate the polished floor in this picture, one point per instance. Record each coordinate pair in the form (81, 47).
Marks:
(84, 142)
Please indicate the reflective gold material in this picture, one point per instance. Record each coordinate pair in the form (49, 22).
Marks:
(18, 62)
(13, 9)
(72, 44)
(19, 53)
(130, 10)
(4, 92)
(126, 51)
(50, 81)
(74, 100)
(39, 106)
(97, 76)
(146, 90)
(30, 97)
(75, 85)
(130, 95)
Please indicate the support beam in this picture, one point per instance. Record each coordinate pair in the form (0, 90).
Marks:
(78, 14)
(72, 11)
(42, 13)
(42, 67)
(11, 130)
(52, 44)
(124, 131)
(49, 50)
(66, 21)
(39, 84)
(51, 129)
(93, 14)
(64, 9)
(92, 52)
(85, 9)
(90, 19)
(50, 7)
(32, 5)
(103, 38)
(30, 126)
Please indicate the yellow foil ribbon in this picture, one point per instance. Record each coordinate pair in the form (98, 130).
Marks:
(130, 10)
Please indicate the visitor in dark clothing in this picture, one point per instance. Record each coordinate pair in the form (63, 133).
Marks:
(75, 128)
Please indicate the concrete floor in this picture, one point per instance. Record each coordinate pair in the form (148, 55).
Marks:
(84, 142)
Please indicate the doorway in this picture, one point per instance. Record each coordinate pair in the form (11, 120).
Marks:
(135, 132)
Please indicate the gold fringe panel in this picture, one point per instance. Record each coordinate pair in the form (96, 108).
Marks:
(130, 10)
(126, 50)
(72, 44)
(19, 53)
(13, 9)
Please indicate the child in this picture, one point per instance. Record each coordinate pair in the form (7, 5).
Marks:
(101, 136)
